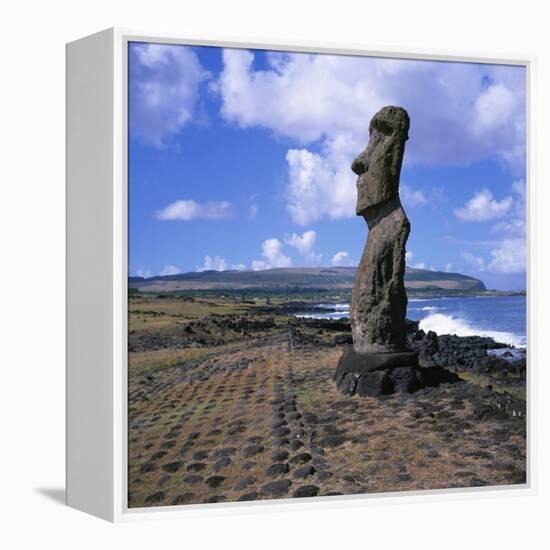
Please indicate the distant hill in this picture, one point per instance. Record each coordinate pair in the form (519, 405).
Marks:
(328, 278)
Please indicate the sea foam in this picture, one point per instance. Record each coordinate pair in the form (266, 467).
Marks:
(447, 324)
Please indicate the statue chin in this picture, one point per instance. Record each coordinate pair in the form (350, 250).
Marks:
(372, 195)
(366, 206)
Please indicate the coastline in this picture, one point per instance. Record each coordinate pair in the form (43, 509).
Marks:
(501, 319)
(432, 294)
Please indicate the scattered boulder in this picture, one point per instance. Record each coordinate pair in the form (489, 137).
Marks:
(277, 469)
(248, 496)
(155, 498)
(252, 450)
(276, 488)
(279, 455)
(172, 467)
(196, 467)
(303, 472)
(306, 491)
(245, 482)
(186, 498)
(215, 481)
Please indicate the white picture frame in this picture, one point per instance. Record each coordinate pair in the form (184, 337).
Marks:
(97, 275)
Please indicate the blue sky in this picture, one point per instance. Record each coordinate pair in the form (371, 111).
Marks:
(239, 159)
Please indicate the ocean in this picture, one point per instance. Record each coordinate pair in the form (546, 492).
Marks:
(502, 318)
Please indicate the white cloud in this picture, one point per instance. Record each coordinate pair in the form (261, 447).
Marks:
(216, 263)
(409, 258)
(272, 251)
(259, 265)
(483, 207)
(187, 210)
(319, 187)
(169, 270)
(509, 257)
(239, 267)
(304, 245)
(513, 227)
(467, 103)
(164, 90)
(499, 120)
(494, 108)
(280, 98)
(342, 258)
(448, 268)
(142, 272)
(475, 262)
(412, 198)
(516, 225)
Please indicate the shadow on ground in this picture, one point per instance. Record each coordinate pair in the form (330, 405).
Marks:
(56, 494)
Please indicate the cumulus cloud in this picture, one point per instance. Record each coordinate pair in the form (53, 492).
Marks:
(513, 227)
(409, 255)
(494, 108)
(475, 262)
(143, 272)
(483, 207)
(509, 257)
(342, 259)
(187, 210)
(165, 82)
(411, 197)
(304, 244)
(519, 211)
(216, 263)
(239, 267)
(499, 120)
(448, 268)
(272, 252)
(469, 104)
(319, 187)
(169, 270)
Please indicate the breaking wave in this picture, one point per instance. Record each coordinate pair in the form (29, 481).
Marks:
(447, 324)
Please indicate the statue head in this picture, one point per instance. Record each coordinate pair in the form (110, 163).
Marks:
(379, 165)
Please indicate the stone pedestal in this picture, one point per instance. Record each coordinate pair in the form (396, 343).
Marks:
(375, 374)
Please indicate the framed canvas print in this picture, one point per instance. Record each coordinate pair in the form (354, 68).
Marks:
(296, 274)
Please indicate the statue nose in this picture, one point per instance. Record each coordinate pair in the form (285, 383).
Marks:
(359, 165)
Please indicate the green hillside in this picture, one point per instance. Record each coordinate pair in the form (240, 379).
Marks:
(306, 278)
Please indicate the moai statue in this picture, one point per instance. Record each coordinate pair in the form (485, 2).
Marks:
(378, 362)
